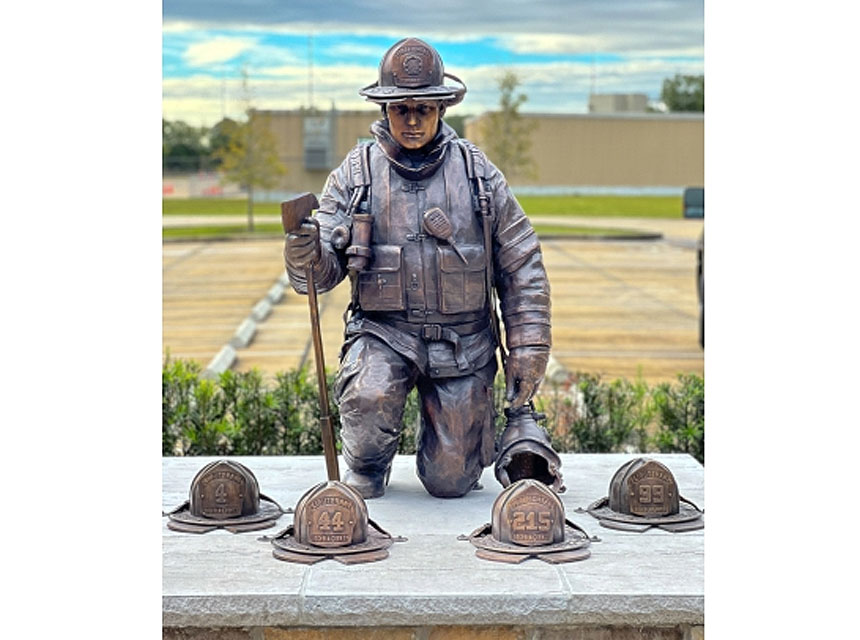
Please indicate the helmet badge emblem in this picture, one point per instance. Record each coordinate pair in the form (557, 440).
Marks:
(412, 65)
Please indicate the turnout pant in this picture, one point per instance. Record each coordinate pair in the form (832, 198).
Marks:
(455, 440)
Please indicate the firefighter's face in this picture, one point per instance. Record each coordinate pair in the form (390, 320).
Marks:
(413, 123)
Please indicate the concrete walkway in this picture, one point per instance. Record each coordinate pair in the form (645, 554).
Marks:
(619, 307)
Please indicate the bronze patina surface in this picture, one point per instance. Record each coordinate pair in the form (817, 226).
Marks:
(525, 451)
(413, 69)
(331, 522)
(224, 494)
(431, 238)
(642, 494)
(528, 522)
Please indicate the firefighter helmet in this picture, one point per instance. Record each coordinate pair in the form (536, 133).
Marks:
(413, 69)
(224, 494)
(528, 522)
(643, 493)
(331, 521)
(525, 451)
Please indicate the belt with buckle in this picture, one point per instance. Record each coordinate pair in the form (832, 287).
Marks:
(447, 332)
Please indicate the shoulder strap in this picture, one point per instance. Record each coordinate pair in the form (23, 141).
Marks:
(359, 184)
(476, 161)
(476, 170)
(482, 205)
(359, 165)
(359, 175)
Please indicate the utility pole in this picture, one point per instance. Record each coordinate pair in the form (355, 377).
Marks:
(249, 145)
(223, 93)
(311, 71)
(593, 73)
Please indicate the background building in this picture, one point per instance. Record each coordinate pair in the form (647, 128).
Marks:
(617, 102)
(630, 150)
(603, 151)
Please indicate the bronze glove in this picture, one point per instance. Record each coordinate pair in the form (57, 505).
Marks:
(524, 371)
(302, 247)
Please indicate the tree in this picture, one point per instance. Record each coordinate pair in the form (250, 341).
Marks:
(248, 158)
(219, 138)
(457, 123)
(247, 153)
(684, 93)
(505, 135)
(183, 147)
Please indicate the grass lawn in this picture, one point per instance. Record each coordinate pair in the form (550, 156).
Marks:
(197, 233)
(270, 230)
(214, 206)
(626, 206)
(617, 206)
(567, 230)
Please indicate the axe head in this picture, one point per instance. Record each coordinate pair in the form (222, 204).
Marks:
(296, 210)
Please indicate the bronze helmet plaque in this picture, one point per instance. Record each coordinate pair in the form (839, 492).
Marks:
(528, 514)
(332, 514)
(528, 522)
(644, 488)
(220, 492)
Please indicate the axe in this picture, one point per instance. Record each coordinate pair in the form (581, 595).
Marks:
(293, 213)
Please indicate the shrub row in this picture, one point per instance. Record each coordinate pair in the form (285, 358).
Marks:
(240, 414)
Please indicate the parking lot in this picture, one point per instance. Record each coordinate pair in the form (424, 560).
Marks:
(620, 308)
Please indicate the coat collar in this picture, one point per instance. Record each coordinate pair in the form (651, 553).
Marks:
(416, 165)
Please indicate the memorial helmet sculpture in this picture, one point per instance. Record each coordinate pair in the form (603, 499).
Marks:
(642, 494)
(224, 494)
(528, 521)
(525, 451)
(331, 521)
(411, 68)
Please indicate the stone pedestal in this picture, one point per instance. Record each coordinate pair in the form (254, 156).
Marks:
(224, 585)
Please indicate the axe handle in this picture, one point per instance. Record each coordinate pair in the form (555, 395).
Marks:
(325, 419)
(293, 213)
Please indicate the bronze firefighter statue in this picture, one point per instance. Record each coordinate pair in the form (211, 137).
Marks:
(429, 234)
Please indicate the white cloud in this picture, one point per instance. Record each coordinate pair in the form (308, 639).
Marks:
(526, 43)
(632, 45)
(179, 26)
(560, 87)
(347, 74)
(203, 100)
(349, 49)
(218, 49)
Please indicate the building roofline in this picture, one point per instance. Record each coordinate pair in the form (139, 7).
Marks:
(682, 116)
(619, 115)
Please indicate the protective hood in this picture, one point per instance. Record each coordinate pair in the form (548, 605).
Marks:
(414, 165)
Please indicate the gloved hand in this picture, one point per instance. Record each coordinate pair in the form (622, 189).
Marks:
(524, 371)
(302, 246)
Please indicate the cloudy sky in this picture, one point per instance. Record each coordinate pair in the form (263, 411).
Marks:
(298, 52)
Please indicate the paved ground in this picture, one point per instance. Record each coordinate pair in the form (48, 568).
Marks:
(618, 307)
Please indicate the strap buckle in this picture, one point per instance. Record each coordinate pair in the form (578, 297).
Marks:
(431, 331)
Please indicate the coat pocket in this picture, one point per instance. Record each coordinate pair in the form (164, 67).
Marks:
(462, 285)
(380, 286)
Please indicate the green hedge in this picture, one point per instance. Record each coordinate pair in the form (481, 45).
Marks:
(240, 414)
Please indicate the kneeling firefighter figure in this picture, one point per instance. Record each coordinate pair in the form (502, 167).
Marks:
(429, 233)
